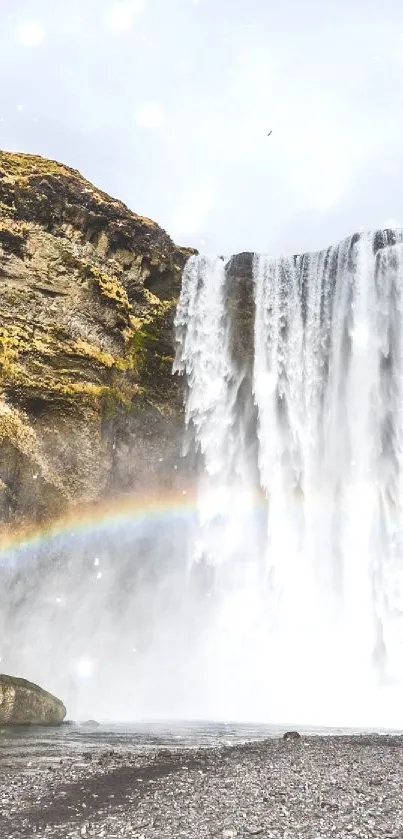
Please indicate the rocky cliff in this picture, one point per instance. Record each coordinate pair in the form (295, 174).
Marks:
(88, 406)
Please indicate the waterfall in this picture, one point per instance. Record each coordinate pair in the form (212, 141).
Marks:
(300, 477)
(212, 411)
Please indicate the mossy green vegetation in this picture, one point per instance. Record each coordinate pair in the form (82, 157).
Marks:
(110, 287)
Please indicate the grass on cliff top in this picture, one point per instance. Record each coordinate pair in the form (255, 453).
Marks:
(24, 165)
(21, 167)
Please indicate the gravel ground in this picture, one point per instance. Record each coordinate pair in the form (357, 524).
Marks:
(316, 787)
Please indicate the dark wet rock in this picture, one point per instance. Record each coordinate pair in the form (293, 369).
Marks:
(241, 308)
(24, 703)
(291, 735)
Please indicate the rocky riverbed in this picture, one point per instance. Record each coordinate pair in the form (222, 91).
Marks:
(316, 787)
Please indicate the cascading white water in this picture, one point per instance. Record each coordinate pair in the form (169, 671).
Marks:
(308, 622)
(204, 356)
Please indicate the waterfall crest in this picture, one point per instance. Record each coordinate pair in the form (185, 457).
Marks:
(300, 452)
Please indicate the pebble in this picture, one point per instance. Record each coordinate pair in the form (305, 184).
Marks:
(331, 787)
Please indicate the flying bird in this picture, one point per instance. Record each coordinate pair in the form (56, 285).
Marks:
(270, 132)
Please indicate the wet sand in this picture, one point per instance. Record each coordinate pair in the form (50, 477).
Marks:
(316, 787)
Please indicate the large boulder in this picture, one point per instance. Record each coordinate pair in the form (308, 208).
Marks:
(23, 703)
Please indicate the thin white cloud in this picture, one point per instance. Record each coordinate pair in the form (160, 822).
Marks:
(30, 33)
(191, 215)
(319, 168)
(150, 115)
(120, 16)
(392, 224)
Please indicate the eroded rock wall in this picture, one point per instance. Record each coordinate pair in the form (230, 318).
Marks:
(88, 289)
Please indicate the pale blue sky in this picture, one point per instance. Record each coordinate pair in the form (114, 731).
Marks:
(166, 104)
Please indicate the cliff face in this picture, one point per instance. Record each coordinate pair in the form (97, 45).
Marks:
(88, 406)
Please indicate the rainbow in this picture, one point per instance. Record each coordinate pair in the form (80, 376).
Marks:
(132, 510)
